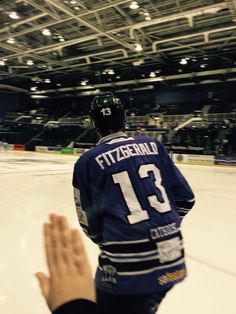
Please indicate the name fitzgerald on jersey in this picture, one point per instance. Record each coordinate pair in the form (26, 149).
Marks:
(126, 151)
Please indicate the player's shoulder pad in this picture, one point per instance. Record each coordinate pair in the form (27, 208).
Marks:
(87, 155)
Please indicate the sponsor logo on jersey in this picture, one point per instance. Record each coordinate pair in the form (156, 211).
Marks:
(169, 250)
(109, 276)
(172, 277)
(163, 231)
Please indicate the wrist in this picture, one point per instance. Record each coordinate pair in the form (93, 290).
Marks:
(76, 306)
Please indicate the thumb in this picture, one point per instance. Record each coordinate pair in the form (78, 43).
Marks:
(44, 284)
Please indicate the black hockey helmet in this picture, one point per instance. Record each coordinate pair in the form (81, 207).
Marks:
(107, 113)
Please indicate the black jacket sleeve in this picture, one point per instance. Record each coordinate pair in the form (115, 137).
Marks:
(77, 306)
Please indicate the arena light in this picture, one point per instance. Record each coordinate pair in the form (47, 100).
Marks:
(33, 88)
(47, 80)
(46, 32)
(11, 40)
(108, 71)
(138, 62)
(2, 62)
(152, 74)
(42, 66)
(111, 71)
(13, 15)
(61, 38)
(183, 61)
(138, 47)
(147, 16)
(84, 83)
(38, 96)
(134, 5)
(30, 62)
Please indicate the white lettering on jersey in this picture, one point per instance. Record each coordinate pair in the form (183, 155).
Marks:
(126, 151)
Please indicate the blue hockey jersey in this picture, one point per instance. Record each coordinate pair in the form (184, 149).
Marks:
(130, 200)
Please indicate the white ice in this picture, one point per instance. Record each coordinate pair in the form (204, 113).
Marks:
(33, 185)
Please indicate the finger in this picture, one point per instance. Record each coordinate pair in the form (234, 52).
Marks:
(50, 250)
(60, 249)
(44, 284)
(65, 231)
(66, 241)
(62, 240)
(77, 243)
(80, 256)
(55, 233)
(53, 219)
(62, 229)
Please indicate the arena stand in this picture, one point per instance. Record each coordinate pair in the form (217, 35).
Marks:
(200, 132)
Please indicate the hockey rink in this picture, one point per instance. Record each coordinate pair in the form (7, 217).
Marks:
(33, 185)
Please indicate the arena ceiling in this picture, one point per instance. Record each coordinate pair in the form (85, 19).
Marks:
(48, 47)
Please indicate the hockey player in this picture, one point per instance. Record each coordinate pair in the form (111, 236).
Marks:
(130, 200)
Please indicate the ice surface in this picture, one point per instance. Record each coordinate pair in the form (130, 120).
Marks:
(32, 185)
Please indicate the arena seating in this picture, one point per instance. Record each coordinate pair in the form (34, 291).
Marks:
(212, 133)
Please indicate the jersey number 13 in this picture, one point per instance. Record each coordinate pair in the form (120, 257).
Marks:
(159, 203)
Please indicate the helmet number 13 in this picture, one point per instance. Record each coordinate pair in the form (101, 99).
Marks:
(159, 201)
(106, 111)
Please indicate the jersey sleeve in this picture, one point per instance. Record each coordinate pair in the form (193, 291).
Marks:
(181, 190)
(77, 306)
(89, 215)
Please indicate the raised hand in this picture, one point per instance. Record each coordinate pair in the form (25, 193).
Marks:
(70, 275)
